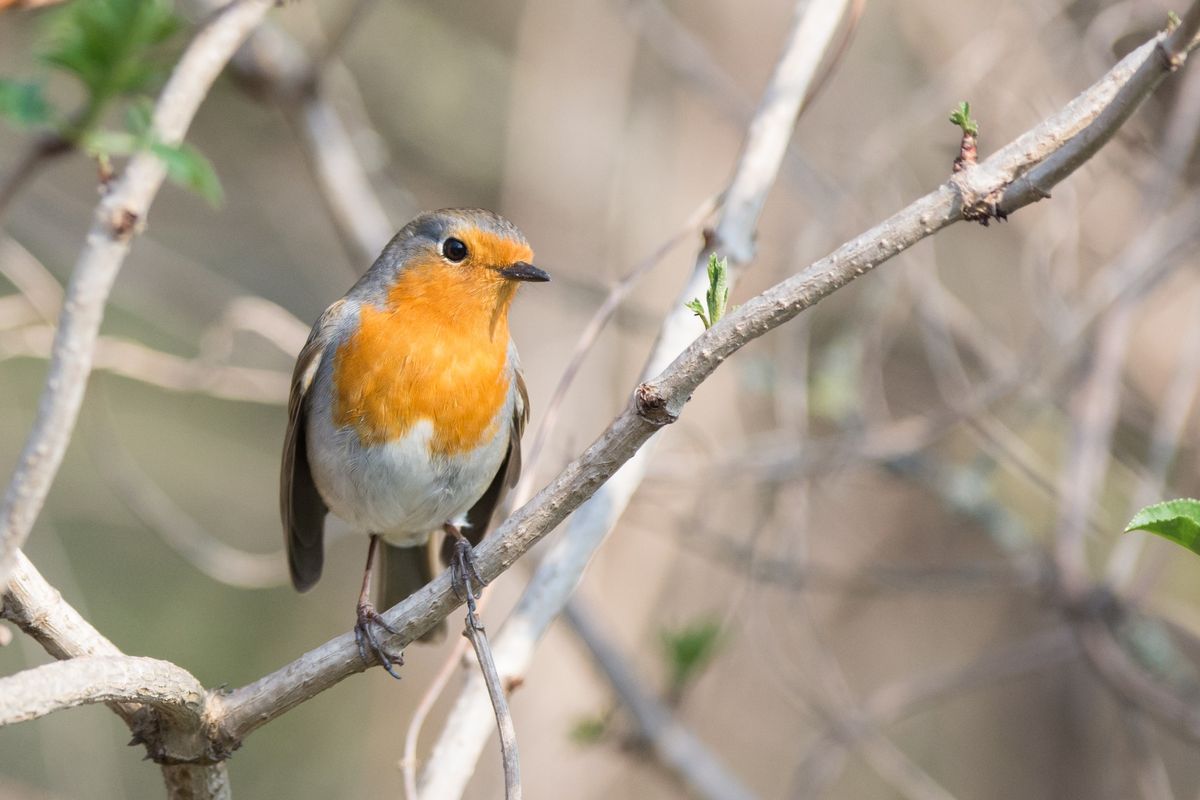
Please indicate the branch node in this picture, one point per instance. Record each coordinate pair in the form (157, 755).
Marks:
(124, 222)
(652, 406)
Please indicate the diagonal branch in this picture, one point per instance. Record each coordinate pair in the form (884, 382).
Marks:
(659, 401)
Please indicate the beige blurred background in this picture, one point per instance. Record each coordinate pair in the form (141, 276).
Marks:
(840, 575)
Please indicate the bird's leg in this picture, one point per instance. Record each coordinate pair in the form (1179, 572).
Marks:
(464, 573)
(364, 634)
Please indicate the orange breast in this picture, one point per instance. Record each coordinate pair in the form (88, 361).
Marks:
(436, 352)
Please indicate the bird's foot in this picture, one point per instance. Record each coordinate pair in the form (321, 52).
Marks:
(465, 576)
(366, 637)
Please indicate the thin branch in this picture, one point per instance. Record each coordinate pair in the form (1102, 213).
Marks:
(674, 745)
(118, 217)
(86, 680)
(475, 633)
(659, 401)
(138, 362)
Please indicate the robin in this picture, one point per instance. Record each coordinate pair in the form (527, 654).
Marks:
(407, 408)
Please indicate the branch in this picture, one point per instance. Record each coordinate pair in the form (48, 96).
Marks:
(87, 680)
(117, 218)
(659, 401)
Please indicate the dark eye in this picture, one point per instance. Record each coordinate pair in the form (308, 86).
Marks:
(454, 249)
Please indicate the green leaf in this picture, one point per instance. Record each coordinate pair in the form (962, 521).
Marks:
(110, 143)
(23, 103)
(589, 730)
(187, 167)
(698, 310)
(1175, 520)
(718, 288)
(961, 116)
(111, 46)
(139, 117)
(689, 650)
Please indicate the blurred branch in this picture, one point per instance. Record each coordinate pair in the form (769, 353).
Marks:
(824, 758)
(675, 747)
(117, 219)
(273, 64)
(136, 361)
(155, 509)
(451, 765)
(85, 680)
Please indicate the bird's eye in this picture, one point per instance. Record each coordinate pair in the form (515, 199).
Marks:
(454, 249)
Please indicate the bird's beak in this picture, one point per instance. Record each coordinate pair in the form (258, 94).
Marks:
(521, 271)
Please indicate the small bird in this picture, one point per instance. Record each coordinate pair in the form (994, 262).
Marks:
(407, 408)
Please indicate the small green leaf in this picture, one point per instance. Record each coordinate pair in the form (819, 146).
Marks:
(689, 650)
(1175, 520)
(109, 143)
(138, 117)
(961, 116)
(23, 103)
(188, 168)
(589, 730)
(698, 310)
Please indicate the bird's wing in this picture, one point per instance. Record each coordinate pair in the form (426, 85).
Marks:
(300, 504)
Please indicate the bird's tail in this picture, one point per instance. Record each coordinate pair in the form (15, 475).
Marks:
(405, 570)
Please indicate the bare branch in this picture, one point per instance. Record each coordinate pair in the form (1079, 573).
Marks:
(496, 693)
(117, 218)
(99, 679)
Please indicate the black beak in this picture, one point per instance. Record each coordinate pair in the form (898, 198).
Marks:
(521, 271)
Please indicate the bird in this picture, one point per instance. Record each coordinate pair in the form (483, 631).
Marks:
(406, 410)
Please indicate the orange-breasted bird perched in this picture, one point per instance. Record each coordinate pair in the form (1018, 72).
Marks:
(407, 408)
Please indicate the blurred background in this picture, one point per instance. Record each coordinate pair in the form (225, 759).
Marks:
(838, 571)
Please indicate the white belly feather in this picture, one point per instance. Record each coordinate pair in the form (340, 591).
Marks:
(398, 489)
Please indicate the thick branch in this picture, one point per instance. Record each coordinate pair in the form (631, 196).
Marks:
(99, 679)
(117, 218)
(660, 401)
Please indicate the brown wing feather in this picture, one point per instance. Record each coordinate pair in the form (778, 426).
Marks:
(300, 504)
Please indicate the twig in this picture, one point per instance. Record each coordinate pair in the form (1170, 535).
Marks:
(675, 746)
(136, 361)
(117, 218)
(822, 762)
(476, 634)
(766, 142)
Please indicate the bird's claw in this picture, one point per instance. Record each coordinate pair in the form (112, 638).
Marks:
(364, 637)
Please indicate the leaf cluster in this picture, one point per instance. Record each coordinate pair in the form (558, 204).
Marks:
(119, 51)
